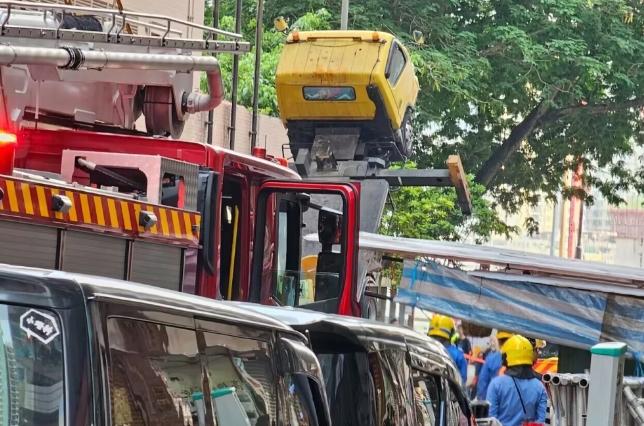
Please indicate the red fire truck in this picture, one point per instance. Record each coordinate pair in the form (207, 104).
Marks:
(83, 188)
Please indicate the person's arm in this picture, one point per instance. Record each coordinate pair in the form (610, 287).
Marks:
(542, 405)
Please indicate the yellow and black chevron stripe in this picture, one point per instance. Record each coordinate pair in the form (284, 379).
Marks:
(31, 200)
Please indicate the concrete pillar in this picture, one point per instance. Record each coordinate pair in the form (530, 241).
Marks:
(605, 391)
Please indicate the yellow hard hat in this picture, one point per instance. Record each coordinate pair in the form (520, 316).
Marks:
(441, 326)
(540, 344)
(518, 351)
(500, 335)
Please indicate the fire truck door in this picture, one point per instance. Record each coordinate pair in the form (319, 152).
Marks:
(306, 246)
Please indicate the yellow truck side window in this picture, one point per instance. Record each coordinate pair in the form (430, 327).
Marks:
(396, 65)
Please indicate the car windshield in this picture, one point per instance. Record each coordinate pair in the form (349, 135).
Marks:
(31, 367)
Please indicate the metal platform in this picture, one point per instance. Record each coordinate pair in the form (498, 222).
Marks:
(115, 24)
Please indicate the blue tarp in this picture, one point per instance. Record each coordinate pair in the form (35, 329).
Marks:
(568, 316)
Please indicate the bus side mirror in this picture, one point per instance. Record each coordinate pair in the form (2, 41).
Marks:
(329, 228)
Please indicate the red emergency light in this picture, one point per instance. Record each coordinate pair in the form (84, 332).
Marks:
(8, 143)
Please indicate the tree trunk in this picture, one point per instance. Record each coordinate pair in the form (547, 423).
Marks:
(510, 145)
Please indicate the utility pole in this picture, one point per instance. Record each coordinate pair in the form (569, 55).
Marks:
(259, 32)
(344, 15)
(233, 94)
(578, 251)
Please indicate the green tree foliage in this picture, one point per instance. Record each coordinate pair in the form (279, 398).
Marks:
(516, 87)
(432, 213)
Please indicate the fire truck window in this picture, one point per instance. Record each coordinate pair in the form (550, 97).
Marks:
(311, 272)
(230, 239)
(155, 374)
(240, 374)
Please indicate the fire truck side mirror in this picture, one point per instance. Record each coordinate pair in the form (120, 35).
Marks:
(61, 203)
(147, 219)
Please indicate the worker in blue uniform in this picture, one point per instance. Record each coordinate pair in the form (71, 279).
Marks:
(518, 396)
(441, 328)
(491, 366)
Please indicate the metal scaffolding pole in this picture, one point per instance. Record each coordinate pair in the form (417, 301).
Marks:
(233, 94)
(259, 31)
(215, 24)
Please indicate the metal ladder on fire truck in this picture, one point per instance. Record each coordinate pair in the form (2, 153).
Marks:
(154, 70)
(75, 66)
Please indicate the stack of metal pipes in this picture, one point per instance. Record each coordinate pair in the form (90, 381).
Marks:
(568, 394)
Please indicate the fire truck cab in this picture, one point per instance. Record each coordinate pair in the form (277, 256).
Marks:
(82, 189)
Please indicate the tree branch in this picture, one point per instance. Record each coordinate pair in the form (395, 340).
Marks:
(538, 117)
(511, 144)
(597, 109)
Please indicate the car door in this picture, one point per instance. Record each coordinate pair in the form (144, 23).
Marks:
(305, 250)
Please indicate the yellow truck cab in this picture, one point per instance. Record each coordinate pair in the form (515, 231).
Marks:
(359, 80)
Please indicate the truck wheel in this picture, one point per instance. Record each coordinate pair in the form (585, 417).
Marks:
(404, 145)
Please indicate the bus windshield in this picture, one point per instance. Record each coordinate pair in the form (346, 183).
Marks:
(31, 367)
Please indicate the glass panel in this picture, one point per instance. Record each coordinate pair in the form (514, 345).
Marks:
(349, 388)
(312, 272)
(241, 380)
(298, 401)
(396, 64)
(31, 367)
(155, 374)
(395, 384)
(329, 94)
(427, 392)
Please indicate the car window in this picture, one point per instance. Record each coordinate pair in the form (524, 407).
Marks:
(396, 63)
(299, 402)
(155, 374)
(31, 367)
(428, 392)
(242, 383)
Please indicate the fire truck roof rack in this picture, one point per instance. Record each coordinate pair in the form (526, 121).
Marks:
(114, 25)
